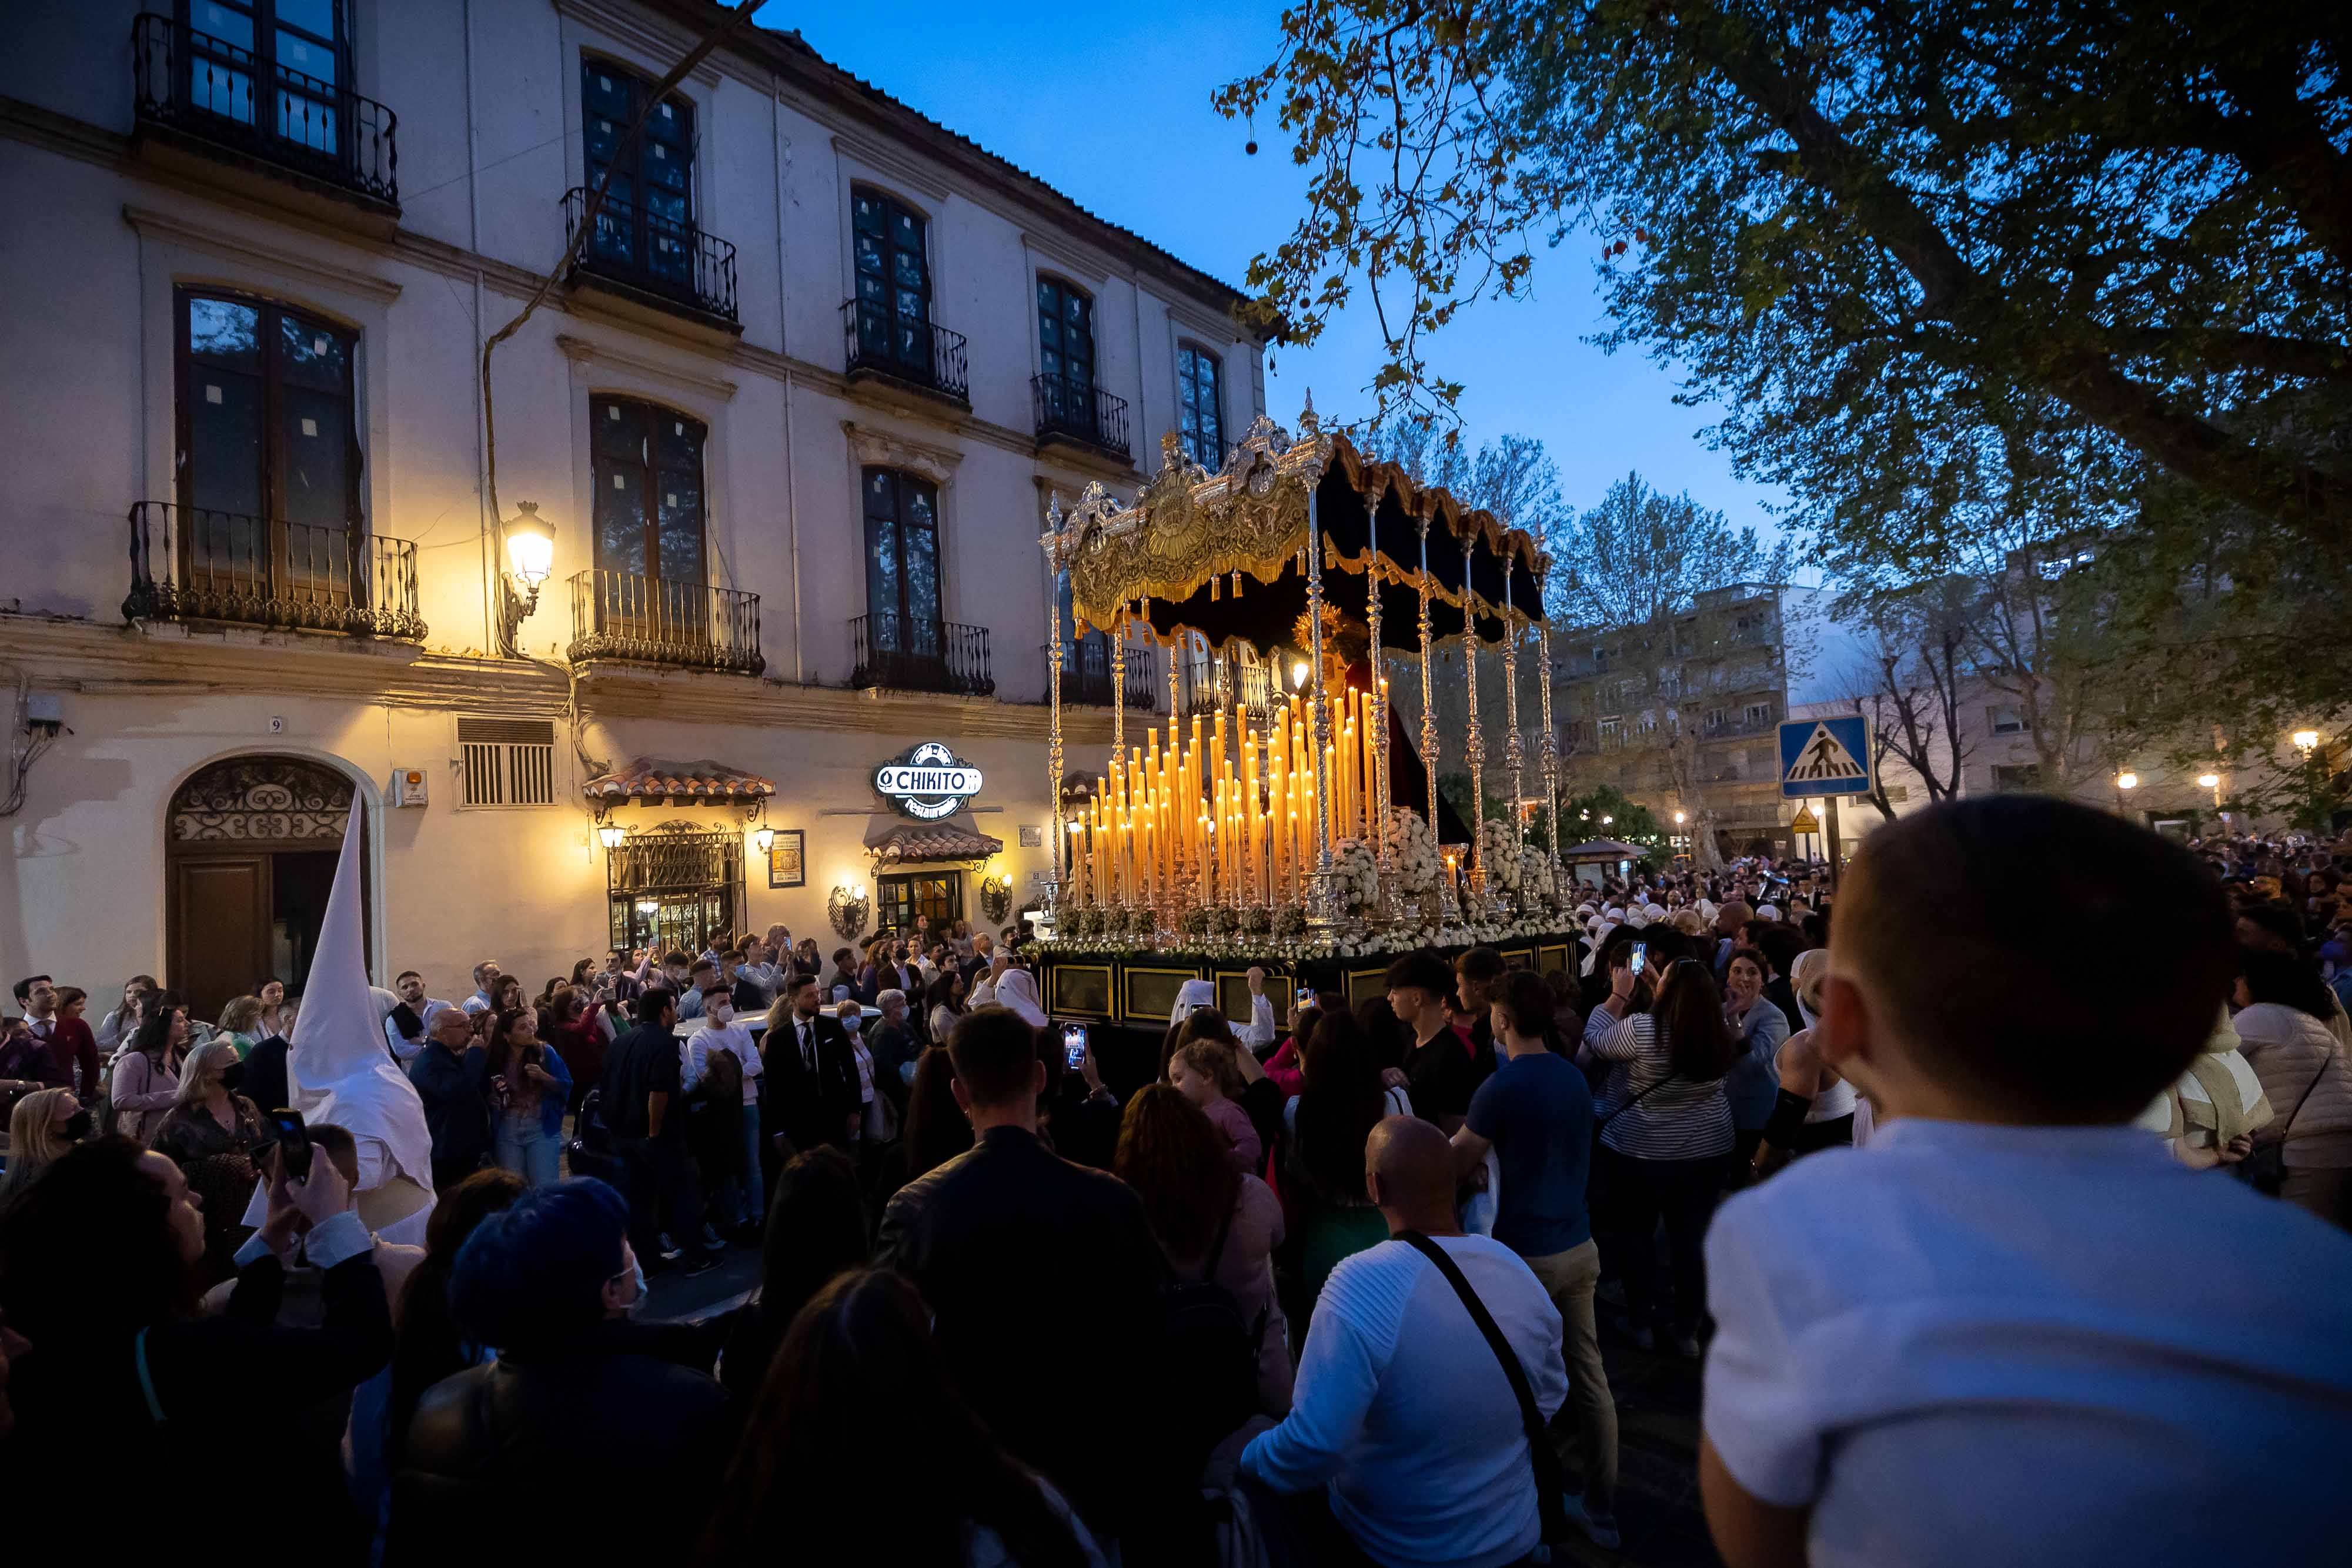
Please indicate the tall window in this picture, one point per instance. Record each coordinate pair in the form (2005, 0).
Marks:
(1199, 405)
(1066, 352)
(894, 284)
(298, 47)
(647, 217)
(902, 564)
(648, 479)
(269, 453)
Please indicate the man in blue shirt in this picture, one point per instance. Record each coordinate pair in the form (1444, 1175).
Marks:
(1535, 1115)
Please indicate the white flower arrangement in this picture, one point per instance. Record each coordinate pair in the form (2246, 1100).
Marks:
(1537, 890)
(1417, 860)
(1289, 942)
(1356, 880)
(1499, 851)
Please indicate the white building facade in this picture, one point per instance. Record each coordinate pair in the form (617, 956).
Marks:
(794, 417)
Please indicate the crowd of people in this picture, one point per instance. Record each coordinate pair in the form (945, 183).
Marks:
(2021, 1157)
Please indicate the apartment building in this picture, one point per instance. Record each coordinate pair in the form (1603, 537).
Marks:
(771, 458)
(1683, 713)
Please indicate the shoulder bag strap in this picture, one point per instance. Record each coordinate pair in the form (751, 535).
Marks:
(146, 1379)
(1636, 1100)
(1545, 1462)
(2325, 1062)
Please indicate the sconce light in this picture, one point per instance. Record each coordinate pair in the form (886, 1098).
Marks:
(847, 909)
(610, 835)
(764, 838)
(531, 556)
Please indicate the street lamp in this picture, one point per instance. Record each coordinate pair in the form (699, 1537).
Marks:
(2306, 741)
(1680, 818)
(2127, 780)
(2208, 780)
(610, 835)
(1607, 821)
(530, 557)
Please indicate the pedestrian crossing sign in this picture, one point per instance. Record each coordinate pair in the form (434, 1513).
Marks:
(1825, 755)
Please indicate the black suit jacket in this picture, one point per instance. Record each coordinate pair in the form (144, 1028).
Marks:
(1045, 1280)
(811, 1108)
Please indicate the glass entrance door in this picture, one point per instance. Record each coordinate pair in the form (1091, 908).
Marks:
(913, 900)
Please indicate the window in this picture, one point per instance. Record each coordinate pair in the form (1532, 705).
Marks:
(646, 222)
(902, 565)
(1066, 353)
(1612, 733)
(506, 762)
(2005, 720)
(1200, 406)
(893, 285)
(1759, 713)
(298, 46)
(648, 479)
(908, 904)
(2024, 778)
(269, 453)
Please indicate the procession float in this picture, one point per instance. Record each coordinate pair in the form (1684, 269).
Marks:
(1282, 816)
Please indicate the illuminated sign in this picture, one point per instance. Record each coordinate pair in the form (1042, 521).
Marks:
(926, 781)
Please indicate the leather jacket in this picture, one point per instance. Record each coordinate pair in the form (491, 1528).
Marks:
(589, 1449)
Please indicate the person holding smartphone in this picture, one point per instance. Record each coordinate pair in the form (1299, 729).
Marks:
(1260, 1032)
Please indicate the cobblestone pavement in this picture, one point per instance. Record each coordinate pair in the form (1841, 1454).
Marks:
(1658, 1511)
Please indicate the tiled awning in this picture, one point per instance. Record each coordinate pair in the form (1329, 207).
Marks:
(896, 843)
(658, 782)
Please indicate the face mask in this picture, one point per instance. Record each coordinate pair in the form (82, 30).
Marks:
(232, 1075)
(77, 1127)
(638, 1302)
(721, 1012)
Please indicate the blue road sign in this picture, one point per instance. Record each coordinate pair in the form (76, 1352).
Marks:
(1825, 755)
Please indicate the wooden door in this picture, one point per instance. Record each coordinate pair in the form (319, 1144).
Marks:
(219, 924)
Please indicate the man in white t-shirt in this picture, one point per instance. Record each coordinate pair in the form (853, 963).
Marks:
(1403, 1421)
(2014, 1330)
(720, 1033)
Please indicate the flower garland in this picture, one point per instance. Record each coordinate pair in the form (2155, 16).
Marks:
(1287, 940)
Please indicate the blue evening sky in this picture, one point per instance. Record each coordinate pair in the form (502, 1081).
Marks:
(1110, 105)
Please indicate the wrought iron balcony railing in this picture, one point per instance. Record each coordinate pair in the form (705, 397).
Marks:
(1086, 673)
(1081, 412)
(920, 354)
(638, 246)
(916, 655)
(191, 563)
(222, 92)
(642, 619)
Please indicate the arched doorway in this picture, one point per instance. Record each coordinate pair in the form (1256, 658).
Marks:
(250, 847)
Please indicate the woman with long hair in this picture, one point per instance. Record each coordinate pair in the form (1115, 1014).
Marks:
(943, 1005)
(936, 1131)
(1666, 1135)
(530, 1087)
(71, 1041)
(43, 1127)
(122, 1020)
(817, 1229)
(581, 1030)
(147, 1071)
(210, 1132)
(276, 1021)
(428, 1347)
(820, 1465)
(1211, 1222)
(1341, 1100)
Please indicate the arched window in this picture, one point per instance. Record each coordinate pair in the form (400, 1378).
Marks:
(1065, 355)
(646, 223)
(902, 570)
(893, 285)
(1199, 405)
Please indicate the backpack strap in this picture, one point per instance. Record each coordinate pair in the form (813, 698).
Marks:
(1540, 1457)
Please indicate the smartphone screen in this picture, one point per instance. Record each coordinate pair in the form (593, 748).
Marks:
(1641, 956)
(1074, 1043)
(1306, 997)
(293, 1140)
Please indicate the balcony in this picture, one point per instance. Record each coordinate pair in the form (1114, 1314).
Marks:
(891, 354)
(648, 259)
(1079, 413)
(195, 93)
(641, 620)
(1086, 673)
(190, 563)
(912, 656)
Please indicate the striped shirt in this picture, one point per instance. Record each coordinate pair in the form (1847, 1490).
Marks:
(1662, 1120)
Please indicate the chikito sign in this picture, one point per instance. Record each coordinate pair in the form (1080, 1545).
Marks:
(926, 781)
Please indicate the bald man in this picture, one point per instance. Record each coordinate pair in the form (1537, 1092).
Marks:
(1404, 1433)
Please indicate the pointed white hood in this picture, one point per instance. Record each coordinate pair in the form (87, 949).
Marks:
(339, 1069)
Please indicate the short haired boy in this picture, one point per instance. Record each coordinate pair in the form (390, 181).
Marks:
(2013, 1329)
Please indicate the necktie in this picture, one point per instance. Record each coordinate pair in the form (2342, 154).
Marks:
(808, 1049)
